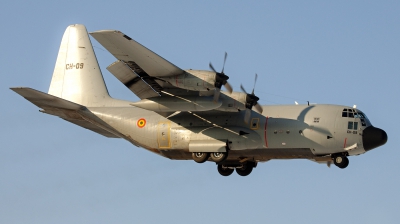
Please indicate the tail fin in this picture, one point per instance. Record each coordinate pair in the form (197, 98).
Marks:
(77, 76)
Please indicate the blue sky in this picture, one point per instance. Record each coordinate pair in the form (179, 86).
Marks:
(335, 52)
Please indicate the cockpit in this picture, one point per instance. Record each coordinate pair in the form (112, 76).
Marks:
(354, 113)
(372, 137)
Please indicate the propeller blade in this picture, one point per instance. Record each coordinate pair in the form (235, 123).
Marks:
(228, 87)
(255, 80)
(241, 87)
(223, 66)
(217, 92)
(247, 116)
(258, 108)
(212, 67)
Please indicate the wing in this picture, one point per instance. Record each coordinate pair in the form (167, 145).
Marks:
(126, 49)
(139, 68)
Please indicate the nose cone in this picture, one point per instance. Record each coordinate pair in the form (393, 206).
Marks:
(373, 137)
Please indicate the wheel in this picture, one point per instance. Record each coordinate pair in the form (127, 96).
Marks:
(245, 169)
(200, 157)
(341, 161)
(224, 171)
(219, 156)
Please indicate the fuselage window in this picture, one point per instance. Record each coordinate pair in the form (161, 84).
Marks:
(350, 125)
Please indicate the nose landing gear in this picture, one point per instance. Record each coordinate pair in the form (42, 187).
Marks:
(340, 161)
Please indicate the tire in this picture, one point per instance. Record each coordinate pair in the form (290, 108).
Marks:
(200, 157)
(224, 171)
(245, 169)
(341, 161)
(219, 157)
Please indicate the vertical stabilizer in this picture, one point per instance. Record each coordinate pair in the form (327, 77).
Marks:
(77, 76)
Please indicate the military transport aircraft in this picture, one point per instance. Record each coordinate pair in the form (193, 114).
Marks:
(184, 115)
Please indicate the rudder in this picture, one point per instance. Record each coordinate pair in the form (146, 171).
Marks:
(77, 76)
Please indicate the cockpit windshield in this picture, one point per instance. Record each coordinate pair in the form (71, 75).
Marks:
(354, 113)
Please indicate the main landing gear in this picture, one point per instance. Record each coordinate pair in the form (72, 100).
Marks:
(201, 157)
(340, 161)
(243, 169)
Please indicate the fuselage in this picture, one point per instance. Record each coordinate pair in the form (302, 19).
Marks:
(281, 132)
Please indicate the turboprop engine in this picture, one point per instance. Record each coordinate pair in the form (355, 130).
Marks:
(200, 80)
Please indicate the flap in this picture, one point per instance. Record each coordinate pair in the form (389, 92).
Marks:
(131, 80)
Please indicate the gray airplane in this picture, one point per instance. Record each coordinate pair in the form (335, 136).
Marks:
(184, 115)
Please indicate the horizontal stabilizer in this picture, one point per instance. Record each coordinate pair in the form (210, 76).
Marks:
(69, 111)
(44, 100)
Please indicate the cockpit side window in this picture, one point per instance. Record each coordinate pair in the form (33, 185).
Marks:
(344, 113)
(363, 118)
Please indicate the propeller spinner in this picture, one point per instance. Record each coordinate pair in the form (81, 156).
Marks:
(220, 79)
(251, 100)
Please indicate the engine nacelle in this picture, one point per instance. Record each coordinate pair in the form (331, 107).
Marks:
(197, 80)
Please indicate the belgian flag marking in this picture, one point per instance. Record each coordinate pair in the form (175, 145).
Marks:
(141, 122)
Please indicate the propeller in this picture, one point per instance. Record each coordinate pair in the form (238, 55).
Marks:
(251, 100)
(220, 79)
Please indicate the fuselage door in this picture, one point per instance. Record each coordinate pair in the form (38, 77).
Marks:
(163, 135)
